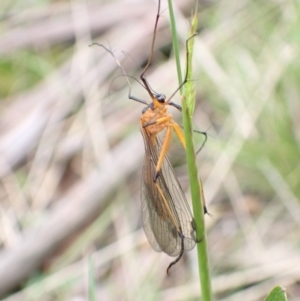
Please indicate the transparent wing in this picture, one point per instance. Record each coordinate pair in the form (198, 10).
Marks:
(166, 214)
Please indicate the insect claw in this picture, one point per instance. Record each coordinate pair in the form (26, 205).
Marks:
(155, 177)
(199, 240)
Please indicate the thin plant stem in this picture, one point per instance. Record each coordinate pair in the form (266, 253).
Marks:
(188, 100)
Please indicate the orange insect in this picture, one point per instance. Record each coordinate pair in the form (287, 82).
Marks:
(167, 218)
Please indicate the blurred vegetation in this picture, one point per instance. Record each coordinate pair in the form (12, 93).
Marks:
(71, 151)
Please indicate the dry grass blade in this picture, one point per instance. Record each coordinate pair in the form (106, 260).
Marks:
(79, 206)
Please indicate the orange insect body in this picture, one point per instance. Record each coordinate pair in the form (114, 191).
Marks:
(149, 121)
(153, 115)
(156, 118)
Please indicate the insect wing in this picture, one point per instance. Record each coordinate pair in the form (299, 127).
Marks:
(158, 225)
(166, 213)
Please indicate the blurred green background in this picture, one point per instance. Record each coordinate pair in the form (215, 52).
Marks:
(71, 152)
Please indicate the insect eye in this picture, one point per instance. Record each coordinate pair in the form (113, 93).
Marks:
(161, 98)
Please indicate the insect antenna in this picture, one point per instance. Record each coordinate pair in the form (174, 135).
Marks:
(124, 74)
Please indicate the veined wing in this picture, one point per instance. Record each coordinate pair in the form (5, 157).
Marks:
(166, 214)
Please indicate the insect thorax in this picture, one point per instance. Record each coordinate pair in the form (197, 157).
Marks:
(150, 117)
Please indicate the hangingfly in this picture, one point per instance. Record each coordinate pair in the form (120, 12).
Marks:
(167, 218)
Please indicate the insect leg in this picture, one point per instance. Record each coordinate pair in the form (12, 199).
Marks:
(180, 136)
(203, 143)
(157, 121)
(179, 133)
(186, 71)
(142, 76)
(180, 254)
(136, 99)
(163, 152)
(175, 105)
(203, 199)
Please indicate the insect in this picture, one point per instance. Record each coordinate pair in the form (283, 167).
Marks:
(167, 218)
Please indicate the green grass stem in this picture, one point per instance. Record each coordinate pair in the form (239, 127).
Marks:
(188, 100)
